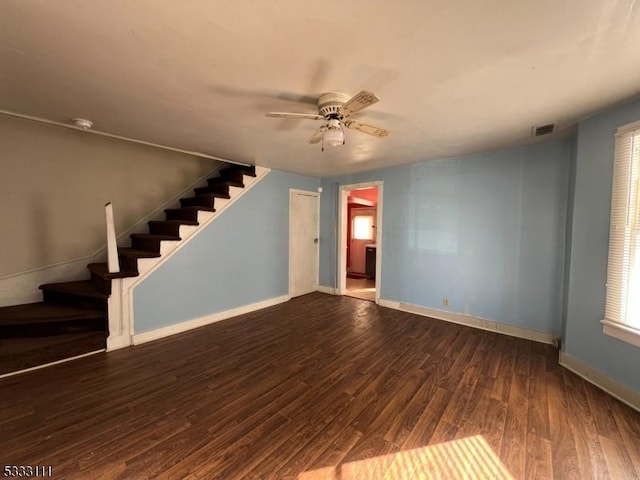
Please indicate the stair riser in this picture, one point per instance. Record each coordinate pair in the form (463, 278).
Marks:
(204, 217)
(187, 230)
(233, 191)
(34, 330)
(166, 247)
(103, 284)
(74, 300)
(246, 170)
(146, 264)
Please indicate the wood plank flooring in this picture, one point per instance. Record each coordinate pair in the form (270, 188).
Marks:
(321, 387)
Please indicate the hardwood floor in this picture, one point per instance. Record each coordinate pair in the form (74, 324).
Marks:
(321, 387)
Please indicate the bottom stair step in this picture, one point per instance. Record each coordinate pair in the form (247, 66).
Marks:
(82, 288)
(45, 319)
(81, 294)
(19, 354)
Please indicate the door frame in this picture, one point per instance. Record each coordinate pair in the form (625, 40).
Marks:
(308, 193)
(341, 267)
(371, 211)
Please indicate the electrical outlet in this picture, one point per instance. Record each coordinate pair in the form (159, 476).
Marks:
(445, 302)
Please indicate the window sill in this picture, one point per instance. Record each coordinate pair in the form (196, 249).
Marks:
(621, 332)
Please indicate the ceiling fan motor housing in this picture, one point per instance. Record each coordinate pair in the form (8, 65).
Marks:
(328, 103)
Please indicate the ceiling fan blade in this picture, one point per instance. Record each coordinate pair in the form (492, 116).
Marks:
(356, 103)
(317, 135)
(308, 116)
(368, 129)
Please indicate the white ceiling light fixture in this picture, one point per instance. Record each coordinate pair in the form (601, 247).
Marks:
(333, 135)
(82, 123)
(334, 108)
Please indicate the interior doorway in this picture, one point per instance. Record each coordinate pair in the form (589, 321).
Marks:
(360, 240)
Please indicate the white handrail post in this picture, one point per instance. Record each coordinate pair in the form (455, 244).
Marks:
(112, 246)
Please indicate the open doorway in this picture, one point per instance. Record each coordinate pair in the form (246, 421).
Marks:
(360, 241)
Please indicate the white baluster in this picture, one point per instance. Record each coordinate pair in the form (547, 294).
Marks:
(112, 247)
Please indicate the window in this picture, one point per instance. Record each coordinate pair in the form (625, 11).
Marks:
(622, 311)
(363, 227)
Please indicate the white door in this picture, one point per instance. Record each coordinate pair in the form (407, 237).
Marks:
(363, 232)
(303, 242)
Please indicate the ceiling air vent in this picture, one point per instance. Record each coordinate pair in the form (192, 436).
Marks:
(542, 130)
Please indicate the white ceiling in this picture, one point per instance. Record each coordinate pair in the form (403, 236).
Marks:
(455, 76)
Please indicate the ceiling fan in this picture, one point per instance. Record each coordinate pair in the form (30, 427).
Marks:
(334, 108)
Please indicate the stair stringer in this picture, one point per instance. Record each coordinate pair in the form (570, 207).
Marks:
(120, 303)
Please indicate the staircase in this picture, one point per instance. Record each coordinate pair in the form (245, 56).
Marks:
(72, 319)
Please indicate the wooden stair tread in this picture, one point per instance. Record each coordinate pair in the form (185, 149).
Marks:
(209, 194)
(132, 252)
(102, 270)
(193, 207)
(248, 170)
(84, 288)
(174, 222)
(45, 312)
(170, 227)
(225, 181)
(153, 236)
(213, 189)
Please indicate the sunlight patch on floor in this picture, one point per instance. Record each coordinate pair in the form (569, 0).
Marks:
(468, 458)
(363, 288)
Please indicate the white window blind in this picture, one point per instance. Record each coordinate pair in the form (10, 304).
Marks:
(623, 270)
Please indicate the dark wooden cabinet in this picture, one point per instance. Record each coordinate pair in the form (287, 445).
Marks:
(370, 262)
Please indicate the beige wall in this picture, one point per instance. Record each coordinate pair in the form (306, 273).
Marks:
(55, 181)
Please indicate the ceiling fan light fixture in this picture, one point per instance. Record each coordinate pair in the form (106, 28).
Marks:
(334, 108)
(333, 137)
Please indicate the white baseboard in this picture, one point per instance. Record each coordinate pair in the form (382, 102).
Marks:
(117, 342)
(389, 304)
(329, 290)
(600, 380)
(206, 320)
(472, 321)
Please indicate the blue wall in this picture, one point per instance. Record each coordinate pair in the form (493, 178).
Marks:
(240, 258)
(485, 231)
(589, 248)
(519, 236)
